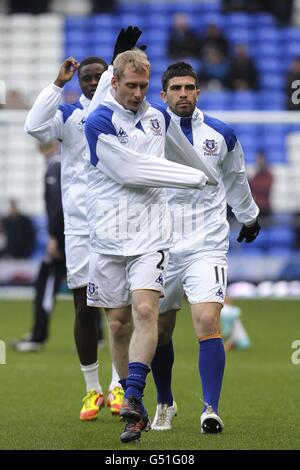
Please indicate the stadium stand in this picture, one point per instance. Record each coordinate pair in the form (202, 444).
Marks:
(32, 48)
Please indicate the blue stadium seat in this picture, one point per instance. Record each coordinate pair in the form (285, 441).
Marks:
(291, 34)
(280, 250)
(216, 100)
(103, 21)
(75, 37)
(245, 100)
(276, 155)
(271, 81)
(240, 20)
(239, 35)
(281, 236)
(272, 100)
(76, 50)
(77, 22)
(265, 50)
(270, 65)
(273, 35)
(249, 143)
(133, 7)
(263, 20)
(122, 21)
(292, 49)
(250, 249)
(157, 22)
(102, 36)
(155, 35)
(211, 6)
(156, 51)
(214, 18)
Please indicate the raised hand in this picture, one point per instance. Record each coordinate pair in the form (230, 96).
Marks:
(66, 71)
(126, 40)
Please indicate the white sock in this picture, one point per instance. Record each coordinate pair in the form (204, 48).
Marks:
(90, 374)
(114, 378)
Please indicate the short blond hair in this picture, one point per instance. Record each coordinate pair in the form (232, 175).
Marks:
(137, 58)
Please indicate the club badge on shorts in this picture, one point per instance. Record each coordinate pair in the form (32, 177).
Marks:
(92, 291)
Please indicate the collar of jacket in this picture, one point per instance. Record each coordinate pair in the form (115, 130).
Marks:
(197, 116)
(84, 101)
(126, 114)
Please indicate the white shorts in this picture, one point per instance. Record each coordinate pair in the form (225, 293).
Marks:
(201, 280)
(113, 278)
(77, 249)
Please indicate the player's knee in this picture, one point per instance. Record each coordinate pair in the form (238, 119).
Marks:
(209, 324)
(119, 328)
(145, 314)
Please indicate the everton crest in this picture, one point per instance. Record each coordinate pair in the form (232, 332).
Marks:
(210, 147)
(155, 126)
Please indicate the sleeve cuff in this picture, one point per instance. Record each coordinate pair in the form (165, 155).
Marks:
(56, 88)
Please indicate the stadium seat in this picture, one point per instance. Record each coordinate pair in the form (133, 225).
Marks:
(103, 21)
(239, 35)
(122, 21)
(245, 100)
(263, 20)
(272, 100)
(292, 49)
(214, 18)
(77, 23)
(271, 81)
(270, 65)
(268, 34)
(265, 50)
(281, 237)
(239, 20)
(291, 34)
(133, 7)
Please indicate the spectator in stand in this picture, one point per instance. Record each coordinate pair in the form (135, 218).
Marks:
(243, 71)
(261, 184)
(214, 74)
(293, 86)
(183, 41)
(214, 39)
(104, 6)
(14, 100)
(19, 232)
(29, 6)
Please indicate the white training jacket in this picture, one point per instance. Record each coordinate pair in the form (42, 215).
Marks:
(204, 226)
(127, 208)
(47, 121)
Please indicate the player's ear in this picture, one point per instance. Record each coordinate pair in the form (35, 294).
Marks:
(163, 96)
(114, 82)
(198, 92)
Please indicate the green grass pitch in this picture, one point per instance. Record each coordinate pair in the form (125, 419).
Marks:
(41, 392)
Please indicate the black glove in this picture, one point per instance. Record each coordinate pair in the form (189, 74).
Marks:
(249, 233)
(126, 40)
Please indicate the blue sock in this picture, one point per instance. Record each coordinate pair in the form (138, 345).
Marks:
(161, 367)
(136, 380)
(211, 369)
(123, 383)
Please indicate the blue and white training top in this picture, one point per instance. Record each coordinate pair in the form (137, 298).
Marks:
(126, 204)
(49, 120)
(204, 213)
